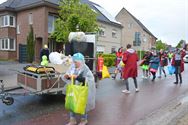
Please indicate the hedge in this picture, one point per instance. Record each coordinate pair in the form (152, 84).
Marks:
(109, 59)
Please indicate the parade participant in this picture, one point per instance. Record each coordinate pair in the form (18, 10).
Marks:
(145, 64)
(154, 64)
(44, 51)
(119, 54)
(163, 62)
(130, 70)
(177, 62)
(81, 73)
(170, 55)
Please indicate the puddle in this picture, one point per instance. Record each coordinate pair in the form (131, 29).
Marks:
(184, 100)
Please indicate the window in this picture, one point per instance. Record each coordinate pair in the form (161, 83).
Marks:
(11, 20)
(114, 33)
(18, 29)
(1, 21)
(30, 18)
(11, 44)
(51, 23)
(7, 20)
(101, 31)
(100, 49)
(7, 44)
(137, 40)
(113, 49)
(130, 25)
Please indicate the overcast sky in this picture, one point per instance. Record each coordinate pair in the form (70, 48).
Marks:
(166, 19)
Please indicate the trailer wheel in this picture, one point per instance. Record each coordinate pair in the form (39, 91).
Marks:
(8, 100)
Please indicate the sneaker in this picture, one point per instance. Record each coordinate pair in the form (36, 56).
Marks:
(175, 82)
(126, 91)
(83, 122)
(159, 76)
(113, 77)
(153, 80)
(145, 77)
(72, 121)
(137, 90)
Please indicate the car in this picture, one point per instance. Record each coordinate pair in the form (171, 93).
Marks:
(185, 58)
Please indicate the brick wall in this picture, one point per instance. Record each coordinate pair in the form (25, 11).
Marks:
(40, 24)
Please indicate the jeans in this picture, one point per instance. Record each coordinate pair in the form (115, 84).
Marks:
(73, 115)
(127, 83)
(161, 68)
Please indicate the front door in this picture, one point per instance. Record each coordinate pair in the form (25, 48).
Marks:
(38, 47)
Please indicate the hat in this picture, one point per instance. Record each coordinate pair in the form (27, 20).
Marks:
(78, 57)
(45, 46)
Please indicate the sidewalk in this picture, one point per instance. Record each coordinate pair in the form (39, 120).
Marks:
(8, 72)
(174, 113)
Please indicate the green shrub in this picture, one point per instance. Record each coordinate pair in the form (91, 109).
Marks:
(140, 54)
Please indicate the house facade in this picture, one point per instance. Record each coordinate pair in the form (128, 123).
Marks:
(16, 17)
(134, 32)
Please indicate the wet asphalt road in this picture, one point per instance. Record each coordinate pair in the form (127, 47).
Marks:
(112, 106)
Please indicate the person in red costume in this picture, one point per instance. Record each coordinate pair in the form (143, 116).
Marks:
(130, 70)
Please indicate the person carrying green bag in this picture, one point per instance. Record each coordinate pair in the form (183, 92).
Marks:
(81, 74)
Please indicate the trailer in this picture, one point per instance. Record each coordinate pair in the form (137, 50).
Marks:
(39, 80)
(36, 80)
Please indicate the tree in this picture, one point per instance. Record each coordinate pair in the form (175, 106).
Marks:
(30, 45)
(160, 45)
(180, 44)
(73, 16)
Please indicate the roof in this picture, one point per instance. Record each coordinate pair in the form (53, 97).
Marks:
(18, 5)
(138, 21)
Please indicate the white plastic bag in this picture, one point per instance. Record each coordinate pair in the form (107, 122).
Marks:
(55, 58)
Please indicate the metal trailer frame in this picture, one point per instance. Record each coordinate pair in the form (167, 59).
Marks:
(35, 84)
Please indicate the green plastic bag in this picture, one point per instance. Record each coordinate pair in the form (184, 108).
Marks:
(76, 97)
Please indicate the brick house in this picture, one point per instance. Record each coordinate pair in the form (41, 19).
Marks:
(16, 16)
(134, 32)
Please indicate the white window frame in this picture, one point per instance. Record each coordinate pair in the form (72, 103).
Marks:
(13, 25)
(30, 18)
(18, 29)
(100, 48)
(4, 40)
(5, 21)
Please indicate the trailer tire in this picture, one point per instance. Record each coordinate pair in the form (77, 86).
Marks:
(8, 100)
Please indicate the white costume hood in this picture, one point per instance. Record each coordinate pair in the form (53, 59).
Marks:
(130, 50)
